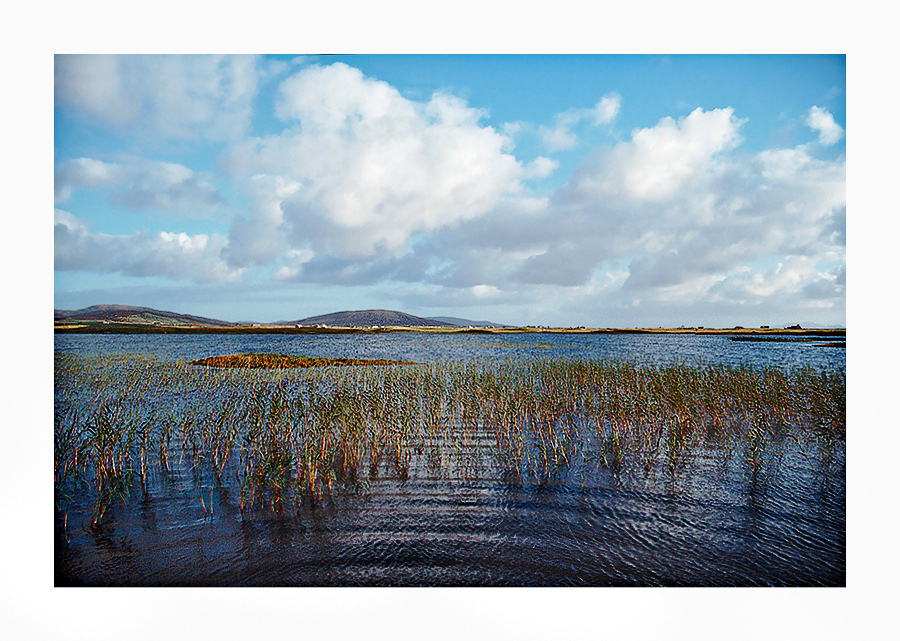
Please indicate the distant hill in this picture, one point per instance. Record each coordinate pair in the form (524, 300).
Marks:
(811, 325)
(370, 318)
(360, 318)
(137, 315)
(462, 322)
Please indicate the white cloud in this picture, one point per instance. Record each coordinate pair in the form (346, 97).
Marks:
(292, 270)
(607, 109)
(175, 255)
(778, 164)
(485, 291)
(367, 187)
(660, 160)
(541, 167)
(66, 220)
(261, 237)
(511, 129)
(700, 234)
(788, 277)
(560, 136)
(797, 282)
(84, 172)
(374, 167)
(823, 122)
(181, 97)
(139, 184)
(667, 216)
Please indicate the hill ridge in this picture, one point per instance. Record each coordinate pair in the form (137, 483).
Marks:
(370, 318)
(134, 314)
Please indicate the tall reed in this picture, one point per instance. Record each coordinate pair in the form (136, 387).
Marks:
(294, 436)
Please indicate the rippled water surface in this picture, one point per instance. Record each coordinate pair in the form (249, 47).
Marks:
(422, 347)
(718, 531)
(709, 520)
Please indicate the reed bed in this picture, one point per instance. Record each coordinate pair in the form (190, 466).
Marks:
(282, 438)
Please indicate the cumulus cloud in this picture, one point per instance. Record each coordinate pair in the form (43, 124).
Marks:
(485, 291)
(795, 283)
(541, 167)
(660, 160)
(823, 122)
(182, 97)
(175, 255)
(294, 261)
(167, 187)
(139, 184)
(788, 277)
(737, 213)
(560, 135)
(705, 232)
(367, 187)
(606, 110)
(372, 167)
(84, 172)
(668, 216)
(259, 238)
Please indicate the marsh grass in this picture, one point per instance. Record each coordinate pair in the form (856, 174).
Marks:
(283, 437)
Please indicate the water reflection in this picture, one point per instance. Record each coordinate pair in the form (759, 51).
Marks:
(615, 530)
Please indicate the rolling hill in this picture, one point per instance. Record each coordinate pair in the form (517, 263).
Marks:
(371, 318)
(135, 315)
(360, 318)
(463, 322)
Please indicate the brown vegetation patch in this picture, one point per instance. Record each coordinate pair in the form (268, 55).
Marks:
(285, 360)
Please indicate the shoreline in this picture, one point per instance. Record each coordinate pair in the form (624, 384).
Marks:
(135, 328)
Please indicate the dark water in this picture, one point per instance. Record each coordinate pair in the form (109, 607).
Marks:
(712, 521)
(713, 531)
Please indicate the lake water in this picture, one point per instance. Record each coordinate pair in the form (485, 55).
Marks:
(709, 523)
(652, 349)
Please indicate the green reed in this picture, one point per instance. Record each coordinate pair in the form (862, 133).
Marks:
(293, 436)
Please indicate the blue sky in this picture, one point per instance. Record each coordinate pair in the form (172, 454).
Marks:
(539, 189)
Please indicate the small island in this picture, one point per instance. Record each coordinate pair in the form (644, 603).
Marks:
(274, 361)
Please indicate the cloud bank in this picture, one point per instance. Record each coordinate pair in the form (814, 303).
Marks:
(182, 97)
(421, 199)
(139, 184)
(173, 255)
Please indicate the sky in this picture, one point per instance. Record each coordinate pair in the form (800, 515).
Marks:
(560, 190)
